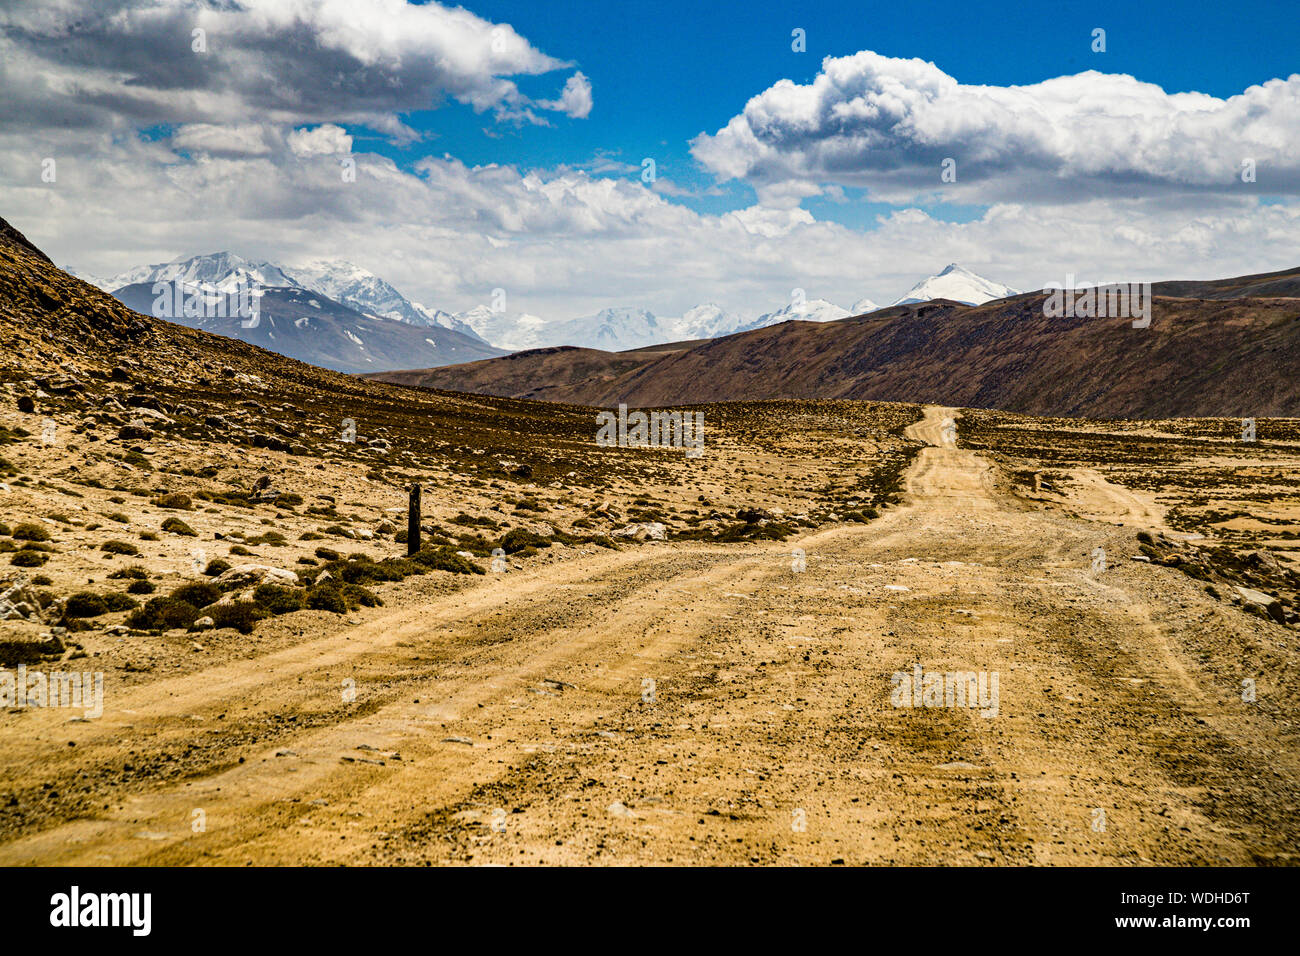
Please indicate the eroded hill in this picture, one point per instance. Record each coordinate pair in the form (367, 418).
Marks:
(1199, 357)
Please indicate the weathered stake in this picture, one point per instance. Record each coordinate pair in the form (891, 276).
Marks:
(413, 521)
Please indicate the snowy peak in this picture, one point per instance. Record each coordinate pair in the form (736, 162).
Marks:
(809, 310)
(705, 321)
(341, 281)
(358, 289)
(508, 330)
(215, 271)
(863, 306)
(613, 330)
(958, 284)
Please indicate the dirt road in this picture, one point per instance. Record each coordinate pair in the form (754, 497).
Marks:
(694, 703)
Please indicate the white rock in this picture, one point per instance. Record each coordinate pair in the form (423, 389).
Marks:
(144, 412)
(243, 575)
(654, 530)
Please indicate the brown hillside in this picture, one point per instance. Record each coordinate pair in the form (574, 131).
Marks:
(1228, 357)
(535, 373)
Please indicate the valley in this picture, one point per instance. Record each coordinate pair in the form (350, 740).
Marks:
(617, 655)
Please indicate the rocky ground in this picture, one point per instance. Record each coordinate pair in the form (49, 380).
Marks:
(705, 702)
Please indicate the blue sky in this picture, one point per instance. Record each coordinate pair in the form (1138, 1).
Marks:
(664, 72)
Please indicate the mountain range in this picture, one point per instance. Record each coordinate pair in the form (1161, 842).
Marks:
(338, 289)
(331, 314)
(1223, 348)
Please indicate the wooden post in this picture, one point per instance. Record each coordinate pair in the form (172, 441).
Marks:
(413, 521)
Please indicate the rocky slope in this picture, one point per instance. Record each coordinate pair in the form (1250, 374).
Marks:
(1225, 357)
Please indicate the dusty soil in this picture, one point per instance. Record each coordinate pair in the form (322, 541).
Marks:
(699, 702)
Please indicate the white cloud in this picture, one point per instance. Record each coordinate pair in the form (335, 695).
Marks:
(888, 124)
(246, 140)
(134, 63)
(575, 100)
(325, 140)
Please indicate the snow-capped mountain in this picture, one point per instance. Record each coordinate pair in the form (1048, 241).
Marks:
(706, 321)
(364, 291)
(958, 284)
(217, 271)
(98, 281)
(811, 310)
(508, 330)
(287, 313)
(358, 289)
(345, 283)
(612, 330)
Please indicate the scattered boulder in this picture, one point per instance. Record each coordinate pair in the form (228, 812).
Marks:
(27, 404)
(652, 530)
(143, 411)
(63, 385)
(1262, 602)
(249, 575)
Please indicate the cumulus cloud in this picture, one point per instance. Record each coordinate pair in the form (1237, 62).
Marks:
(575, 100)
(889, 124)
(326, 140)
(136, 63)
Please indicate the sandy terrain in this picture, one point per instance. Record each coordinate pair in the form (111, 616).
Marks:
(692, 702)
